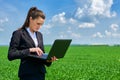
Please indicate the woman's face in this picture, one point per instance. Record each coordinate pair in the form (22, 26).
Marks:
(35, 24)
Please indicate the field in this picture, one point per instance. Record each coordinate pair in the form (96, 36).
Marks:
(80, 63)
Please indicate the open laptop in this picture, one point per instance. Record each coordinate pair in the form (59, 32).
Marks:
(58, 49)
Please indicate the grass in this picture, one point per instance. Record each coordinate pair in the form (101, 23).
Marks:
(80, 63)
(8, 70)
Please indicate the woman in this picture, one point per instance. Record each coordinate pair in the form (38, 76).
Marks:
(26, 41)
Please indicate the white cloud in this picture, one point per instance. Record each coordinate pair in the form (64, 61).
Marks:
(113, 31)
(101, 7)
(72, 35)
(75, 35)
(98, 34)
(69, 33)
(59, 18)
(96, 8)
(2, 21)
(79, 13)
(72, 21)
(112, 35)
(117, 35)
(114, 27)
(107, 33)
(48, 26)
(87, 25)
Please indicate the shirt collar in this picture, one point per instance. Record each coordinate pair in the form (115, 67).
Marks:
(28, 29)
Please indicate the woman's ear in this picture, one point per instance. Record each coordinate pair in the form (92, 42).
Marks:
(30, 19)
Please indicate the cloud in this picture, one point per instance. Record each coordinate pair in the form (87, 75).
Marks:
(107, 33)
(116, 35)
(110, 33)
(87, 25)
(75, 35)
(114, 27)
(2, 22)
(59, 18)
(70, 34)
(48, 26)
(98, 34)
(102, 8)
(79, 13)
(57, 22)
(72, 21)
(94, 9)
(113, 32)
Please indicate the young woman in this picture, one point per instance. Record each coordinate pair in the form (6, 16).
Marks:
(27, 40)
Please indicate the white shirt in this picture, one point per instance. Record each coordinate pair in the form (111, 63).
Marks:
(33, 36)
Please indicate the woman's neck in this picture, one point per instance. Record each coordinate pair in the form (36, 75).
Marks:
(31, 30)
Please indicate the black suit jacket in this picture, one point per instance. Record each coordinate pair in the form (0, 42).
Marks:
(19, 49)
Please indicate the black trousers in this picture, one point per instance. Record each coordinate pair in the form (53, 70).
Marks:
(33, 77)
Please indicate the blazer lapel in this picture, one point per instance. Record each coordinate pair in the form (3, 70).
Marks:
(40, 41)
(38, 38)
(28, 38)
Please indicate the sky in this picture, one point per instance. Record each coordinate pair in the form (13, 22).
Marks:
(83, 21)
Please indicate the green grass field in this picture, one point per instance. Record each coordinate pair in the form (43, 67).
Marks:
(80, 63)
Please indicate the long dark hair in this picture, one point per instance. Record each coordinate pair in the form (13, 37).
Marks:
(34, 13)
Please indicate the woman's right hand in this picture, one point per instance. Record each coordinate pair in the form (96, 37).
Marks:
(37, 50)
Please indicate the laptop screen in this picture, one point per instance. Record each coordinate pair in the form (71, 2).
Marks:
(59, 48)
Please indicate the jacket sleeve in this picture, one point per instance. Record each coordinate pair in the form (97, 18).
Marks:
(14, 52)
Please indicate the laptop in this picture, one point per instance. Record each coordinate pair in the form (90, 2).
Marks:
(58, 49)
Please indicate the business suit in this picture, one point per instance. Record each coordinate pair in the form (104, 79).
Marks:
(20, 43)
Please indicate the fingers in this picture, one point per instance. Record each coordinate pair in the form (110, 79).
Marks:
(37, 50)
(53, 58)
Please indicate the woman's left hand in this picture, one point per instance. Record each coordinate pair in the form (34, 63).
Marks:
(52, 59)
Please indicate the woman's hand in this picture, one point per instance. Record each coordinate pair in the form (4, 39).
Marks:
(37, 50)
(52, 59)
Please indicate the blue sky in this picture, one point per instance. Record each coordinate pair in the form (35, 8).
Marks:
(83, 21)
